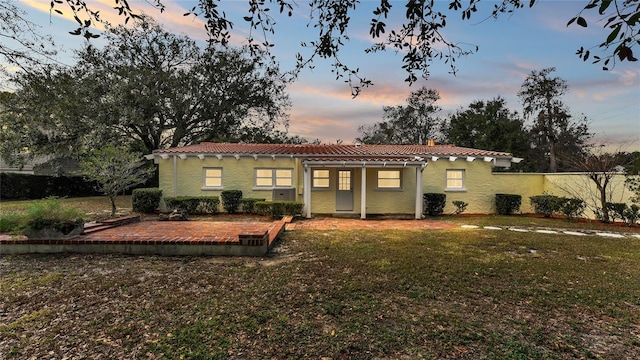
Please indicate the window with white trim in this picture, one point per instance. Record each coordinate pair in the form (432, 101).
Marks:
(273, 178)
(389, 179)
(321, 179)
(212, 177)
(455, 179)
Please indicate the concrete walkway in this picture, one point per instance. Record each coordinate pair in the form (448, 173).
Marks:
(615, 235)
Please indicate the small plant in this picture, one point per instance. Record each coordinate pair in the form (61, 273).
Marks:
(277, 209)
(616, 211)
(231, 200)
(508, 204)
(248, 205)
(461, 206)
(47, 215)
(546, 204)
(193, 204)
(631, 214)
(572, 208)
(9, 222)
(146, 200)
(434, 203)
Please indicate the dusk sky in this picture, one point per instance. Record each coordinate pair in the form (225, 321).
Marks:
(510, 48)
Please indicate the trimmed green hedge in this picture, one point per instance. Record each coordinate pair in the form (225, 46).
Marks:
(434, 203)
(546, 204)
(248, 205)
(146, 200)
(508, 204)
(193, 205)
(279, 208)
(231, 200)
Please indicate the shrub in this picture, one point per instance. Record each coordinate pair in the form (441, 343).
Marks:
(508, 204)
(572, 207)
(628, 214)
(248, 205)
(546, 204)
(193, 204)
(46, 213)
(461, 206)
(146, 200)
(631, 214)
(616, 211)
(9, 222)
(231, 200)
(279, 208)
(434, 203)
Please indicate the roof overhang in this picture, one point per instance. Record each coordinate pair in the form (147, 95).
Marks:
(365, 163)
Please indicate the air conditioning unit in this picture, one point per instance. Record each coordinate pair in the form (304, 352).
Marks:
(283, 195)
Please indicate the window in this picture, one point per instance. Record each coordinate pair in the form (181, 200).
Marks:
(270, 178)
(455, 180)
(321, 179)
(212, 177)
(389, 179)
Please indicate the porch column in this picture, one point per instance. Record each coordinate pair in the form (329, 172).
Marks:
(419, 193)
(306, 192)
(363, 194)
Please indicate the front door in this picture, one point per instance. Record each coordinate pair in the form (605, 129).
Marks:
(344, 194)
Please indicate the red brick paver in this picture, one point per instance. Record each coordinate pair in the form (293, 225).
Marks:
(195, 232)
(227, 232)
(169, 232)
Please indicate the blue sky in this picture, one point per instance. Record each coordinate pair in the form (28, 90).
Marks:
(510, 48)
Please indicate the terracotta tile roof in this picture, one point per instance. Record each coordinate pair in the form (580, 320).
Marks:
(324, 151)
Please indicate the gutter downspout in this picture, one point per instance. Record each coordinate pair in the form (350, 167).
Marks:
(419, 193)
(306, 191)
(363, 193)
(175, 175)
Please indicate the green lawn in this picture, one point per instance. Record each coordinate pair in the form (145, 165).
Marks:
(433, 294)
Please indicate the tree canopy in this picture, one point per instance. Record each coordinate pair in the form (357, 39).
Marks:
(553, 130)
(418, 36)
(147, 89)
(488, 125)
(414, 123)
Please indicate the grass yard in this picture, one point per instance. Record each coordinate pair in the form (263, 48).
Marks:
(335, 295)
(96, 207)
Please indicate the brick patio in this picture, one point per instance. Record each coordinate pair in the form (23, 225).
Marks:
(249, 238)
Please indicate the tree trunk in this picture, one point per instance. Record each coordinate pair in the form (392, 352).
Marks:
(113, 205)
(553, 158)
(603, 202)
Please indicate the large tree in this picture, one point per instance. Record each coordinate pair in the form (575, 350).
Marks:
(149, 89)
(489, 125)
(413, 123)
(419, 35)
(51, 116)
(22, 44)
(553, 129)
(167, 92)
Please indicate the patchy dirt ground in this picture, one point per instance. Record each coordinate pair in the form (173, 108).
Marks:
(395, 294)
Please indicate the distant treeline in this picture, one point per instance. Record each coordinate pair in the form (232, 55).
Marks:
(14, 186)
